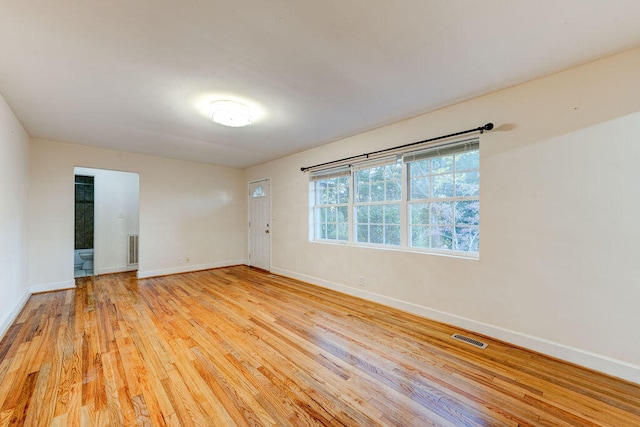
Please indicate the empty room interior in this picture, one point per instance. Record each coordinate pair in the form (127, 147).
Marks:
(353, 212)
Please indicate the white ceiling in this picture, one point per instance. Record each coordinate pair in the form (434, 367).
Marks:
(134, 75)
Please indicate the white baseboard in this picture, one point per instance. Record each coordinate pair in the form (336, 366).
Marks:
(189, 268)
(607, 365)
(8, 319)
(48, 287)
(119, 269)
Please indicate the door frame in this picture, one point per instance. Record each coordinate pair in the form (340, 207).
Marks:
(253, 181)
(94, 172)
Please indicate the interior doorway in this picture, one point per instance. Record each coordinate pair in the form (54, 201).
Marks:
(84, 225)
(106, 221)
(260, 224)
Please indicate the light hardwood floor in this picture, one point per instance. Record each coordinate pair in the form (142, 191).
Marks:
(236, 346)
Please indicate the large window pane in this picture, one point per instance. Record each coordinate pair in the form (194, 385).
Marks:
(393, 172)
(392, 214)
(467, 161)
(362, 176)
(331, 214)
(467, 212)
(420, 237)
(419, 213)
(322, 231)
(331, 231)
(376, 234)
(343, 231)
(342, 190)
(332, 194)
(467, 239)
(392, 234)
(376, 174)
(362, 233)
(362, 193)
(375, 214)
(443, 185)
(322, 215)
(342, 215)
(442, 213)
(394, 190)
(420, 188)
(377, 191)
(442, 164)
(468, 184)
(420, 168)
(442, 237)
(321, 193)
(362, 214)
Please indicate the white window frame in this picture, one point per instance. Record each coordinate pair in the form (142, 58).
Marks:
(470, 147)
(405, 201)
(316, 179)
(384, 162)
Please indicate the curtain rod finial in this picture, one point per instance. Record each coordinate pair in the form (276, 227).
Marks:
(488, 126)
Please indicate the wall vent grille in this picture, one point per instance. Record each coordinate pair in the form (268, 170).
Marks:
(132, 252)
(471, 341)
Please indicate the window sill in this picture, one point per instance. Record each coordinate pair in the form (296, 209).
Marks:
(448, 254)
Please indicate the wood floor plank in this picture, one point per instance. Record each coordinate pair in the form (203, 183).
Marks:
(38, 397)
(238, 346)
(5, 416)
(117, 413)
(141, 410)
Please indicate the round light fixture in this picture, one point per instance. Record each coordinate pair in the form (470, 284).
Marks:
(230, 113)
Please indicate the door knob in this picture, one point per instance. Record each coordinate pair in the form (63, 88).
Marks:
(266, 231)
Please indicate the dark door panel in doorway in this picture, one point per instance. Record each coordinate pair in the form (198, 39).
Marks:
(84, 212)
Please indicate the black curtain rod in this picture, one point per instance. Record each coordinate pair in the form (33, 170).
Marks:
(480, 129)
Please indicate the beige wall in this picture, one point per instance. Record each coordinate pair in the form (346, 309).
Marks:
(187, 210)
(14, 177)
(559, 266)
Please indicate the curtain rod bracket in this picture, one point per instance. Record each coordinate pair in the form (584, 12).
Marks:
(480, 129)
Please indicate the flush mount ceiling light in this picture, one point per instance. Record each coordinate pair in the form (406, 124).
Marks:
(230, 113)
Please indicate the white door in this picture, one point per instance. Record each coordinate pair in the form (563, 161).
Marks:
(259, 224)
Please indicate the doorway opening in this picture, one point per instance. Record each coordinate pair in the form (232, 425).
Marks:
(106, 221)
(83, 226)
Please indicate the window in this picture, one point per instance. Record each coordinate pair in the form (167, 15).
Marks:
(259, 192)
(444, 200)
(377, 204)
(429, 201)
(331, 191)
